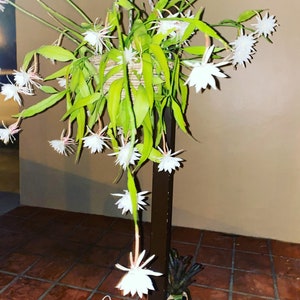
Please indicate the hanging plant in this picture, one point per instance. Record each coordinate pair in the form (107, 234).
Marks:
(131, 74)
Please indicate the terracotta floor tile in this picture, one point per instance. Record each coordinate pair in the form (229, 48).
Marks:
(86, 235)
(72, 218)
(58, 229)
(184, 248)
(253, 262)
(81, 250)
(214, 277)
(215, 256)
(10, 222)
(48, 268)
(12, 239)
(5, 279)
(85, 276)
(285, 266)
(39, 245)
(116, 240)
(17, 262)
(24, 211)
(101, 296)
(288, 288)
(217, 239)
(285, 249)
(104, 257)
(251, 244)
(66, 293)
(109, 284)
(183, 234)
(98, 221)
(25, 288)
(253, 284)
(248, 297)
(66, 249)
(201, 293)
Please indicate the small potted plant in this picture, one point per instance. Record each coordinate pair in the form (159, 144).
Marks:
(180, 275)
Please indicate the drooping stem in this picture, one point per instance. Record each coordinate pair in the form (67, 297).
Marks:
(79, 11)
(136, 242)
(58, 15)
(42, 21)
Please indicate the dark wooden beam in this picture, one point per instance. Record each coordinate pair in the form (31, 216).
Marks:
(161, 216)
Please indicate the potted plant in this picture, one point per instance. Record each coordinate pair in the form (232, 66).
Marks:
(128, 70)
(181, 271)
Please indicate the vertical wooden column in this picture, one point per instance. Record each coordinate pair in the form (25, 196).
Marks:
(161, 216)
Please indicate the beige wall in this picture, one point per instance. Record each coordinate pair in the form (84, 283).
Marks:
(241, 177)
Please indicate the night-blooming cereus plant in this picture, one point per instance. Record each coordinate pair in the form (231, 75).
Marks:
(130, 67)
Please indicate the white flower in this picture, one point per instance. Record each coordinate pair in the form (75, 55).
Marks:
(62, 82)
(125, 202)
(168, 163)
(265, 26)
(181, 26)
(126, 155)
(2, 7)
(203, 73)
(63, 146)
(7, 133)
(96, 141)
(166, 26)
(137, 279)
(243, 48)
(96, 38)
(10, 91)
(130, 56)
(26, 79)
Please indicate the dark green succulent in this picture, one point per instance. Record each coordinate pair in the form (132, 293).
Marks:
(181, 272)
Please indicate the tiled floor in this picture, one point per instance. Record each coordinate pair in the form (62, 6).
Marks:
(52, 254)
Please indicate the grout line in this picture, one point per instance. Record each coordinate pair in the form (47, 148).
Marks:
(273, 271)
(196, 253)
(232, 269)
(77, 260)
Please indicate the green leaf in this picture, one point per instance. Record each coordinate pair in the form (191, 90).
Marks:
(126, 4)
(184, 91)
(162, 61)
(60, 73)
(148, 78)
(154, 154)
(205, 28)
(195, 50)
(160, 5)
(113, 101)
(27, 59)
(247, 15)
(48, 89)
(179, 117)
(56, 52)
(141, 105)
(148, 141)
(42, 105)
(141, 38)
(133, 195)
(81, 103)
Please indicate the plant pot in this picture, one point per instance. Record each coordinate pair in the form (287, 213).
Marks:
(182, 296)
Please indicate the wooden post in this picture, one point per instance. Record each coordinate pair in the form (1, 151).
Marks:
(161, 216)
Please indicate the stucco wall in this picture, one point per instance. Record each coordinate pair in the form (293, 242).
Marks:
(242, 176)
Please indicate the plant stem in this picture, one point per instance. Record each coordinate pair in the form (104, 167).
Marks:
(79, 11)
(59, 15)
(42, 21)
